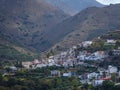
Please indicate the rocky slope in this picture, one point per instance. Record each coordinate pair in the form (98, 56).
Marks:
(25, 21)
(86, 25)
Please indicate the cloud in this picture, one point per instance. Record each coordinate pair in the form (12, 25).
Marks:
(107, 2)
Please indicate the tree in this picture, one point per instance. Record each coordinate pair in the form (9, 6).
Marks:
(108, 85)
(113, 77)
(110, 53)
(8, 69)
(0, 76)
(118, 43)
(11, 82)
(117, 87)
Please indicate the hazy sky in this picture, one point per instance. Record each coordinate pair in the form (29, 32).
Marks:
(108, 1)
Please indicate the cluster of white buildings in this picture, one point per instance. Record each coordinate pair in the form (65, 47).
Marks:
(110, 42)
(116, 52)
(98, 55)
(34, 64)
(98, 78)
(67, 58)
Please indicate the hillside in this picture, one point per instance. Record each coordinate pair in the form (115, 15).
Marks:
(91, 22)
(10, 51)
(25, 21)
(112, 35)
(72, 7)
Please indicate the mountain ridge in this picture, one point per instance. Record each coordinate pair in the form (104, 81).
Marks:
(88, 24)
(73, 7)
(25, 21)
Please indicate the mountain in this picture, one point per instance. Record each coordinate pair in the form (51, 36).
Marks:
(25, 21)
(72, 7)
(89, 23)
(37, 25)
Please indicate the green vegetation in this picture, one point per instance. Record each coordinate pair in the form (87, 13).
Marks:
(10, 53)
(38, 80)
(40, 84)
(107, 85)
(112, 35)
(98, 45)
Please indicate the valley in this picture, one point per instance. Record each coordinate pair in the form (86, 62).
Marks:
(59, 45)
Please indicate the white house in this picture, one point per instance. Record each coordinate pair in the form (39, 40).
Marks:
(27, 64)
(86, 43)
(116, 52)
(96, 56)
(110, 42)
(40, 65)
(36, 61)
(92, 75)
(63, 53)
(97, 82)
(67, 74)
(55, 73)
(13, 68)
(100, 54)
(74, 47)
(112, 69)
(68, 63)
(51, 59)
(51, 64)
(119, 73)
(81, 57)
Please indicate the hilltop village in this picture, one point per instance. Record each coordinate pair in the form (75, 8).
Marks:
(75, 58)
(91, 62)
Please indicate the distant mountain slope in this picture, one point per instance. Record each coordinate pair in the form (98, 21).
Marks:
(25, 21)
(72, 7)
(86, 25)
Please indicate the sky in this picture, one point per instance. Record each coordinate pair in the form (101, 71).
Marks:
(107, 2)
